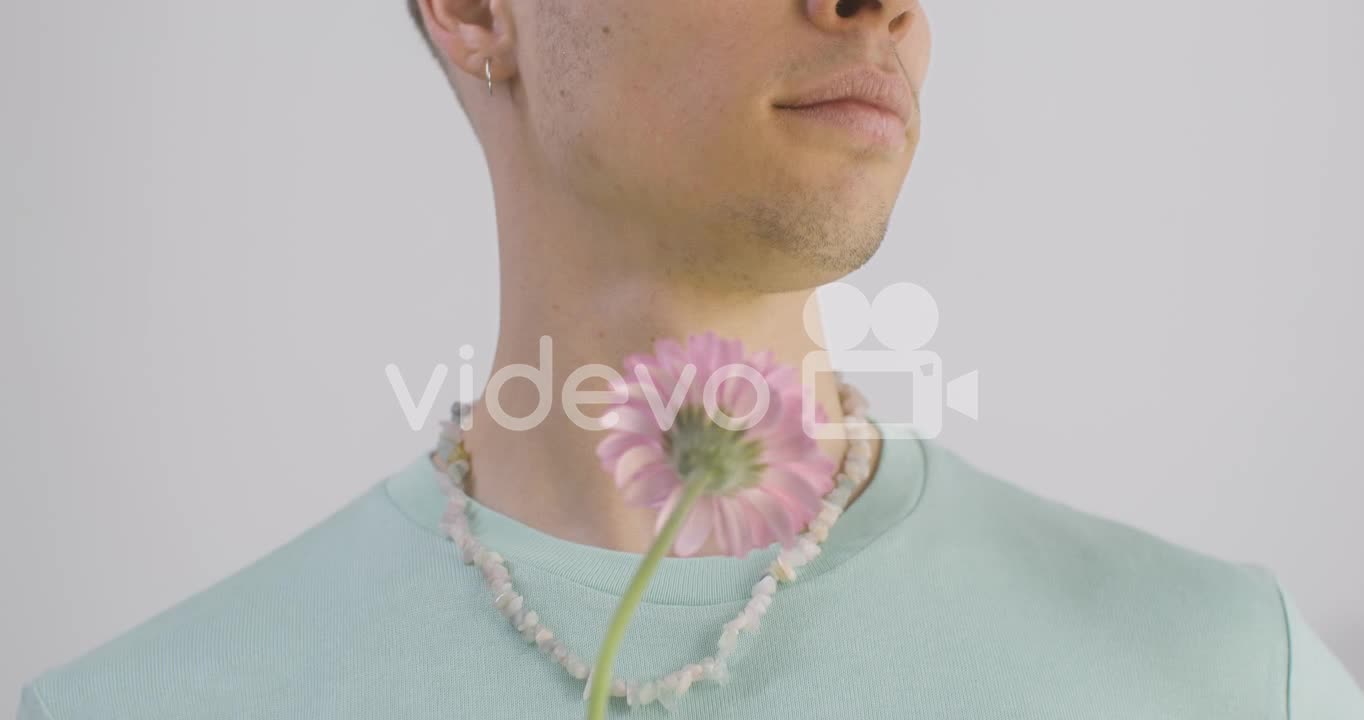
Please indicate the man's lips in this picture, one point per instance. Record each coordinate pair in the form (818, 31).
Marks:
(862, 101)
(862, 121)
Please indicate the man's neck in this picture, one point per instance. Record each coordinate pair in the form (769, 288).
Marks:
(603, 283)
(548, 476)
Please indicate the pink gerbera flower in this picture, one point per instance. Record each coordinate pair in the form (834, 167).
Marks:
(764, 475)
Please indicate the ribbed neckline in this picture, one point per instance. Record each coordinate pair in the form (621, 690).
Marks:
(889, 498)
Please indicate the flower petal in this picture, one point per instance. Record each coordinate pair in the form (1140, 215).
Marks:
(633, 460)
(721, 521)
(733, 528)
(615, 444)
(656, 369)
(671, 355)
(817, 470)
(654, 382)
(800, 498)
(786, 445)
(783, 377)
(696, 528)
(666, 509)
(759, 535)
(739, 393)
(651, 485)
(636, 416)
(771, 419)
(781, 527)
(736, 395)
(765, 359)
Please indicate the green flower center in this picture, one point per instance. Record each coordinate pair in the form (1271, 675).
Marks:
(702, 450)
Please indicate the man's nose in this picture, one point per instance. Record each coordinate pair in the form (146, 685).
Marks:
(889, 16)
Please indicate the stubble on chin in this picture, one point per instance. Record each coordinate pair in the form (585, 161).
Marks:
(815, 236)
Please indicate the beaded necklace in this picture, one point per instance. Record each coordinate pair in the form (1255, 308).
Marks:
(453, 460)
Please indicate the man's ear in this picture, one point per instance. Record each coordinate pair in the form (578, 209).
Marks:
(467, 33)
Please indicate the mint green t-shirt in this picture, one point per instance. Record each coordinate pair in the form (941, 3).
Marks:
(943, 592)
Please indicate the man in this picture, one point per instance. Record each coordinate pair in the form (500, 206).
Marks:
(661, 169)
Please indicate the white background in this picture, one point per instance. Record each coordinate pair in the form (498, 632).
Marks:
(1142, 223)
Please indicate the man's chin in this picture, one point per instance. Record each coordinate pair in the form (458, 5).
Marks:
(809, 260)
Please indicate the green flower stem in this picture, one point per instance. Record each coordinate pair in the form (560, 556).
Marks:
(606, 657)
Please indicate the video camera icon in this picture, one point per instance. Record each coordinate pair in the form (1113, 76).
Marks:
(904, 317)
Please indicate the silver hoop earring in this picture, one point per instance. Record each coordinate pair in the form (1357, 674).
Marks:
(488, 73)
